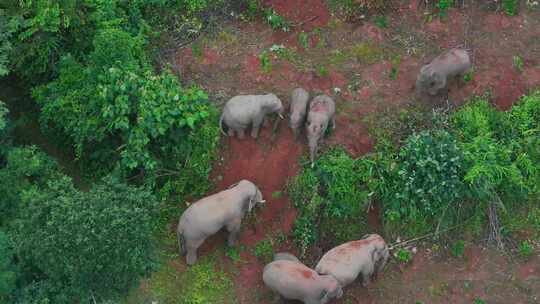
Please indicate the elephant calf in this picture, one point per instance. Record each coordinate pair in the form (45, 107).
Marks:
(208, 215)
(345, 262)
(435, 75)
(322, 110)
(244, 110)
(298, 108)
(295, 281)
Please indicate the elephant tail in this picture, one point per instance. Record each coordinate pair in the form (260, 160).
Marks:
(181, 242)
(221, 125)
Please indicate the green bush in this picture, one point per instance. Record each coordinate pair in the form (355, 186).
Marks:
(92, 244)
(205, 282)
(8, 273)
(427, 182)
(330, 198)
(116, 111)
(25, 169)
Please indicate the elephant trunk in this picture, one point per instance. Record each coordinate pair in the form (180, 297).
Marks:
(181, 242)
(312, 142)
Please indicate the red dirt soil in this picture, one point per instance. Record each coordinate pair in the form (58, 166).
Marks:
(233, 69)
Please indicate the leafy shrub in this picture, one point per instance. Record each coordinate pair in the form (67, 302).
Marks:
(204, 282)
(276, 21)
(26, 168)
(4, 132)
(8, 274)
(95, 243)
(458, 249)
(510, 7)
(264, 250)
(404, 256)
(330, 198)
(427, 181)
(525, 249)
(116, 111)
(443, 6)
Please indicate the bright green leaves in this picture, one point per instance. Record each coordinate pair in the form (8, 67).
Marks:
(116, 100)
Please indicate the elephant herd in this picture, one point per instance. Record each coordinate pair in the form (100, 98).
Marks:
(286, 274)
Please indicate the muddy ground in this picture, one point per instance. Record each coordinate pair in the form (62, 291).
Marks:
(366, 68)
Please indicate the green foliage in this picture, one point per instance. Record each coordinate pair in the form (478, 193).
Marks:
(276, 21)
(479, 301)
(233, 253)
(525, 249)
(8, 26)
(518, 63)
(25, 169)
(322, 71)
(204, 282)
(381, 21)
(303, 40)
(118, 109)
(266, 63)
(469, 76)
(8, 273)
(404, 256)
(427, 181)
(330, 198)
(510, 7)
(4, 133)
(443, 6)
(458, 249)
(264, 250)
(95, 243)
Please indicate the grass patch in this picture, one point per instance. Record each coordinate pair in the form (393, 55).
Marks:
(205, 282)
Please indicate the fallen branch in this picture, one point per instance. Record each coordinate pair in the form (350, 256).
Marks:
(399, 244)
(305, 21)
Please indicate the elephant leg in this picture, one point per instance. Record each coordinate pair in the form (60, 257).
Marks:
(256, 126)
(366, 275)
(241, 133)
(296, 133)
(230, 132)
(192, 246)
(334, 122)
(234, 232)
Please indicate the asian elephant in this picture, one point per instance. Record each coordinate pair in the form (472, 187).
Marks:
(293, 280)
(322, 111)
(345, 262)
(208, 215)
(435, 76)
(298, 108)
(244, 110)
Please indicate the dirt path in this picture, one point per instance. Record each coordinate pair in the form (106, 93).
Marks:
(366, 69)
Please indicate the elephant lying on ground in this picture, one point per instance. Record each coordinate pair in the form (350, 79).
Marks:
(244, 110)
(208, 215)
(434, 76)
(345, 262)
(298, 108)
(322, 111)
(293, 280)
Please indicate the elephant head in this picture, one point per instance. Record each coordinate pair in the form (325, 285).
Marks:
(256, 199)
(429, 80)
(332, 289)
(272, 104)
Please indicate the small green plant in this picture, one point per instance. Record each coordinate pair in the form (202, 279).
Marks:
(525, 249)
(276, 21)
(253, 10)
(443, 6)
(395, 67)
(458, 249)
(404, 256)
(510, 7)
(277, 194)
(233, 253)
(266, 63)
(322, 71)
(468, 76)
(479, 301)
(381, 21)
(303, 40)
(518, 63)
(197, 50)
(264, 250)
